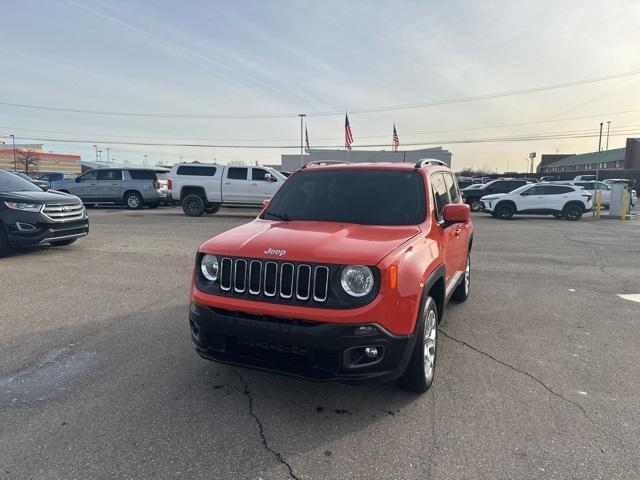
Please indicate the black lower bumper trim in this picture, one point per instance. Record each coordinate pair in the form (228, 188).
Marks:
(310, 350)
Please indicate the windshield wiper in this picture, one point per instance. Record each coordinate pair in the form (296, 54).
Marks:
(279, 216)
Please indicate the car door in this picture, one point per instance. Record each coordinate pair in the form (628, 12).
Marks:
(261, 187)
(532, 199)
(109, 185)
(86, 186)
(448, 246)
(236, 186)
(556, 196)
(459, 247)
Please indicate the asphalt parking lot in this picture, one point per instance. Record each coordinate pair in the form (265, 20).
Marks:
(537, 372)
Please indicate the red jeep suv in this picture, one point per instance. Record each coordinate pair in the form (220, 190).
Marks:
(343, 276)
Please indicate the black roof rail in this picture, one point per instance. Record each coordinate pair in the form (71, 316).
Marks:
(318, 163)
(429, 161)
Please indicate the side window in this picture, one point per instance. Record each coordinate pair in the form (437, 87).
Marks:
(91, 175)
(556, 189)
(452, 188)
(535, 190)
(258, 174)
(196, 171)
(110, 175)
(235, 173)
(142, 174)
(440, 195)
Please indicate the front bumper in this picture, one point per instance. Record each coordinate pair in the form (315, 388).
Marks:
(312, 350)
(25, 233)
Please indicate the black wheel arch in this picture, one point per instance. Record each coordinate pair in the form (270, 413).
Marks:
(574, 202)
(434, 287)
(193, 190)
(130, 191)
(505, 202)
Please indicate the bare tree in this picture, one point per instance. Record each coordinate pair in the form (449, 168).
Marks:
(28, 160)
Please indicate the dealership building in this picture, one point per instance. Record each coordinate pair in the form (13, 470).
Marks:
(46, 161)
(627, 158)
(293, 162)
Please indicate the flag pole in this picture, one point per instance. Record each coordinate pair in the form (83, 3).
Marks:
(301, 115)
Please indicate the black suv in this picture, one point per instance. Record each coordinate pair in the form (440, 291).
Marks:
(472, 196)
(31, 216)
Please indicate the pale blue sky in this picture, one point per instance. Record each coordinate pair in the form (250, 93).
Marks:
(301, 56)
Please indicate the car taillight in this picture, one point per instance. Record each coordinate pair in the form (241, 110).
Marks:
(156, 184)
(169, 184)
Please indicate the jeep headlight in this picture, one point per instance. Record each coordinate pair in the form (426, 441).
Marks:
(26, 207)
(209, 267)
(357, 280)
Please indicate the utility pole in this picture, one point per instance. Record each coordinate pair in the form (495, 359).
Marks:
(108, 157)
(96, 147)
(595, 191)
(608, 125)
(301, 115)
(15, 161)
(100, 156)
(145, 159)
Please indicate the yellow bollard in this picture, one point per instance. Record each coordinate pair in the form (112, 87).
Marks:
(598, 203)
(625, 205)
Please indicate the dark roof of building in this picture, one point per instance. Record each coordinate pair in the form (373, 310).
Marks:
(614, 155)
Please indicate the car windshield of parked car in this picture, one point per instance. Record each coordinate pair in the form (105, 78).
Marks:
(368, 197)
(14, 183)
(521, 189)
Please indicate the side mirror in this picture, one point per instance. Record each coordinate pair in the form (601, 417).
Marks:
(77, 179)
(265, 203)
(525, 193)
(456, 213)
(44, 188)
(270, 178)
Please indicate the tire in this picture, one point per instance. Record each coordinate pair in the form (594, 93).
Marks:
(505, 211)
(153, 205)
(211, 208)
(476, 205)
(572, 212)
(461, 293)
(193, 205)
(133, 200)
(418, 377)
(62, 243)
(4, 243)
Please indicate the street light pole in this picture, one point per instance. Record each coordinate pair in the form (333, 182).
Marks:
(100, 155)
(145, 159)
(108, 157)
(608, 125)
(301, 115)
(15, 162)
(595, 191)
(96, 147)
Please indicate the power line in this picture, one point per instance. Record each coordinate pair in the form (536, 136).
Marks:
(329, 113)
(514, 138)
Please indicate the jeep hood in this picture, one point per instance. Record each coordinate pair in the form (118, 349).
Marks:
(329, 242)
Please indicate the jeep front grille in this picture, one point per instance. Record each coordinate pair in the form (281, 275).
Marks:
(274, 279)
(64, 212)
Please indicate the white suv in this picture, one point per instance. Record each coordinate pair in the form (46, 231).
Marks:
(561, 201)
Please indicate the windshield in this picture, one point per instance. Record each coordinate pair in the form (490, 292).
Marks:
(521, 189)
(10, 182)
(368, 197)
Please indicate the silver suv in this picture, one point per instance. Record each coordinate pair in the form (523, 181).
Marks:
(135, 187)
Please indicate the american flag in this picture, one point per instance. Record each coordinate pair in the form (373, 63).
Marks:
(348, 136)
(306, 137)
(396, 140)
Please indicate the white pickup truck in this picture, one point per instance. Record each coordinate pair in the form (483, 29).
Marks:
(204, 188)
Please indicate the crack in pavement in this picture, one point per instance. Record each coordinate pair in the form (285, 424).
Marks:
(532, 377)
(252, 413)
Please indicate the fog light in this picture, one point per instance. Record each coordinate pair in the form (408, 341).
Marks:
(371, 352)
(366, 330)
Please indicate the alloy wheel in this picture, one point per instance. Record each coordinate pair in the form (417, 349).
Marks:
(430, 334)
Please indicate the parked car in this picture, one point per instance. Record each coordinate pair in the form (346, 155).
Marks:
(465, 182)
(633, 199)
(590, 186)
(42, 184)
(561, 201)
(204, 188)
(323, 286)
(472, 196)
(30, 216)
(135, 187)
(584, 178)
(548, 178)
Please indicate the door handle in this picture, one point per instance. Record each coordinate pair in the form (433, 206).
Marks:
(227, 183)
(254, 184)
